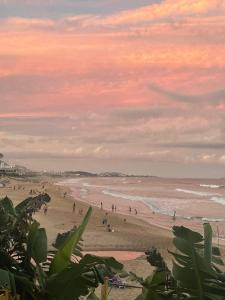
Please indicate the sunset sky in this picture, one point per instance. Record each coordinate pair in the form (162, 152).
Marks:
(134, 86)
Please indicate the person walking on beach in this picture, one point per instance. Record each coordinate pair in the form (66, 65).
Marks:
(135, 211)
(174, 215)
(101, 205)
(74, 207)
(112, 207)
(129, 209)
(104, 221)
(45, 209)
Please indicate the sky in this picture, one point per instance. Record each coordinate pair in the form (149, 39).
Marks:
(132, 86)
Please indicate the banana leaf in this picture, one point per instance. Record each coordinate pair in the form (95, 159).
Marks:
(63, 255)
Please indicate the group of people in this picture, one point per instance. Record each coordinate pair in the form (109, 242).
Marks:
(130, 210)
(19, 187)
(113, 207)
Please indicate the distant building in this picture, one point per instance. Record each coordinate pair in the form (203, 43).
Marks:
(7, 168)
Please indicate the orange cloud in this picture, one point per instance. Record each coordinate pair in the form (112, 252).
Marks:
(90, 61)
(167, 9)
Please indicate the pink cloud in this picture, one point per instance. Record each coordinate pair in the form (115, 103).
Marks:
(15, 115)
(167, 60)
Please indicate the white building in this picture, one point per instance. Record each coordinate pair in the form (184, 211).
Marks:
(6, 168)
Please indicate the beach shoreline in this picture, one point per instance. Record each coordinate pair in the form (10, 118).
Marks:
(125, 193)
(134, 235)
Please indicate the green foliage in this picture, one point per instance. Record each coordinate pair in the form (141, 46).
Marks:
(63, 255)
(78, 278)
(7, 281)
(29, 269)
(195, 273)
(60, 239)
(37, 247)
(155, 259)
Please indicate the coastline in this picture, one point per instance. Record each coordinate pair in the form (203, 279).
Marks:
(134, 235)
(151, 219)
(138, 233)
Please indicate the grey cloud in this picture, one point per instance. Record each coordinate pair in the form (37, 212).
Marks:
(106, 140)
(193, 145)
(58, 8)
(28, 84)
(44, 155)
(216, 96)
(147, 112)
(37, 126)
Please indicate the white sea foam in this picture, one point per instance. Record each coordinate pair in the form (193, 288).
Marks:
(213, 219)
(211, 186)
(86, 184)
(197, 193)
(68, 181)
(218, 199)
(125, 196)
(150, 202)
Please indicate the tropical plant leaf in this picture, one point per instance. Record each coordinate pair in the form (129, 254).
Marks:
(92, 260)
(8, 206)
(60, 239)
(192, 267)
(23, 205)
(25, 286)
(32, 203)
(92, 296)
(40, 246)
(207, 243)
(7, 281)
(187, 234)
(63, 255)
(70, 283)
(153, 286)
(37, 243)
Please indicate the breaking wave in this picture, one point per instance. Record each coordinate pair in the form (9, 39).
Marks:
(150, 202)
(197, 193)
(211, 186)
